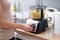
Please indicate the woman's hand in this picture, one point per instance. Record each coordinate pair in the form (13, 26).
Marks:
(27, 27)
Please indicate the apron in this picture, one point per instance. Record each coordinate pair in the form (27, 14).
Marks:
(6, 34)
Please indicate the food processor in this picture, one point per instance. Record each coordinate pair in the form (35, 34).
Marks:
(37, 20)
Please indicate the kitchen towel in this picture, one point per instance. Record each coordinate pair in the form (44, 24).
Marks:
(57, 23)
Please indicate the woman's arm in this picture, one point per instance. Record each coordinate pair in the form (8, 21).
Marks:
(8, 24)
(11, 25)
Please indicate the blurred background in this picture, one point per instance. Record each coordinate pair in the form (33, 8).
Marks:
(23, 7)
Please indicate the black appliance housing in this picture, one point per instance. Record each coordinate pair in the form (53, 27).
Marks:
(42, 24)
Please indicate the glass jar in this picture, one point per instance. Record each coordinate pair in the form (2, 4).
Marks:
(35, 12)
(49, 32)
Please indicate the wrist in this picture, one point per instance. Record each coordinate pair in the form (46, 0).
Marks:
(21, 26)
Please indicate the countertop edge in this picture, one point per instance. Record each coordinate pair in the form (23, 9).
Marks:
(31, 34)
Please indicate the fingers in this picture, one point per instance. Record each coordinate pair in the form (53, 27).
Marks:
(31, 29)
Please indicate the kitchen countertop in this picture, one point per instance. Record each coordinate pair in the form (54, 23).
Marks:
(40, 36)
